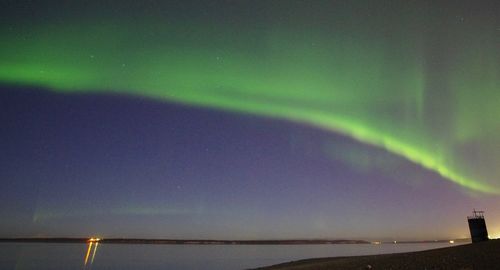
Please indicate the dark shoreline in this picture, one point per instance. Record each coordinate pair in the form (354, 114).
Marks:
(484, 255)
(181, 241)
(206, 241)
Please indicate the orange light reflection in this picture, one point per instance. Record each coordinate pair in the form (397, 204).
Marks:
(88, 253)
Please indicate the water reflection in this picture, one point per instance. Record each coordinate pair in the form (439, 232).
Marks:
(45, 256)
(93, 243)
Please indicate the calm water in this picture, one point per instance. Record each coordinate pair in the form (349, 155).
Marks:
(206, 257)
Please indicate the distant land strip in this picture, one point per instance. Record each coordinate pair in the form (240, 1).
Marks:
(209, 242)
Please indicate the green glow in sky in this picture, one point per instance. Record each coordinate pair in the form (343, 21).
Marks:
(429, 98)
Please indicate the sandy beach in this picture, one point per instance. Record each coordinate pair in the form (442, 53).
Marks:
(485, 255)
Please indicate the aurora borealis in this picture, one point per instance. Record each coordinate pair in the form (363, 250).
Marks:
(416, 83)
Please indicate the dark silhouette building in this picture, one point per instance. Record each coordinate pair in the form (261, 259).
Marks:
(477, 227)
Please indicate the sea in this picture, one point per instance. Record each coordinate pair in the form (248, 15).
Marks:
(97, 256)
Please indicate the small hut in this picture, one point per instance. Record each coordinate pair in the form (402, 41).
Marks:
(477, 227)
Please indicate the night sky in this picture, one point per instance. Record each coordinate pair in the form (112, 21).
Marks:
(249, 119)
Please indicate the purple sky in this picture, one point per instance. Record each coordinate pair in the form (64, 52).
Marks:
(114, 166)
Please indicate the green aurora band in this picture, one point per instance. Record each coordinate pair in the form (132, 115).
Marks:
(431, 99)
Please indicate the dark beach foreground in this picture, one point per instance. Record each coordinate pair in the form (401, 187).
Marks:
(485, 255)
